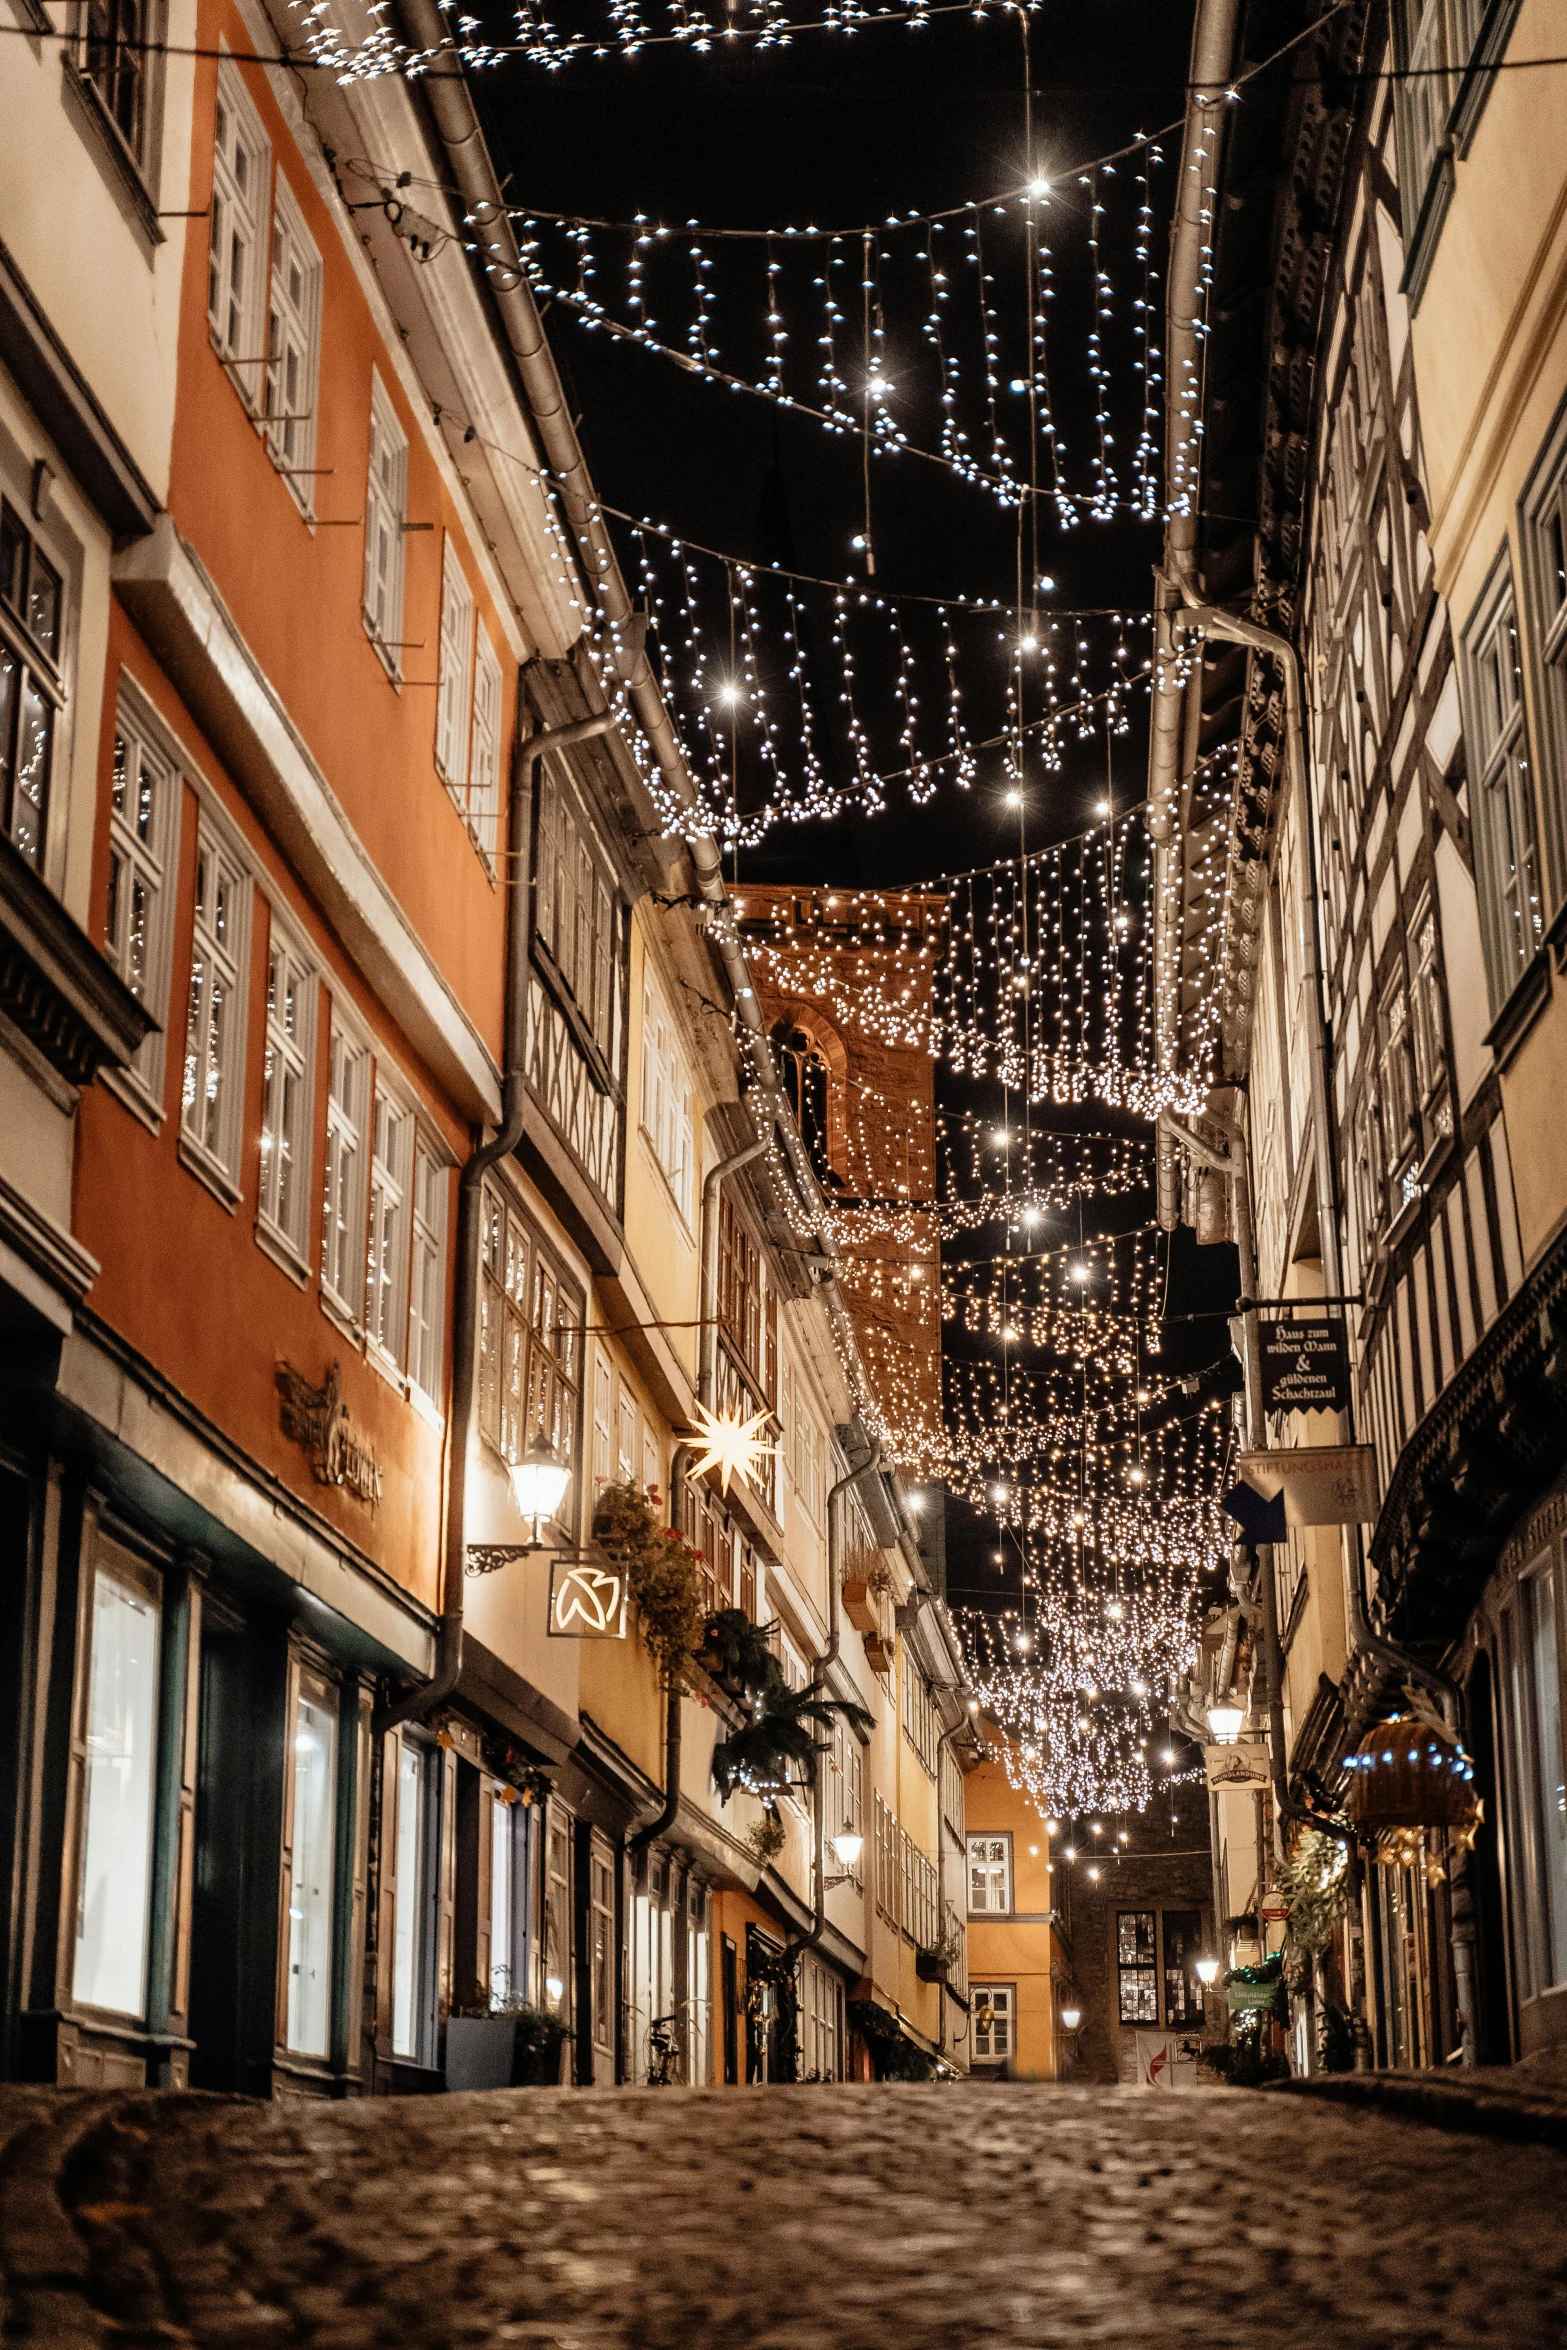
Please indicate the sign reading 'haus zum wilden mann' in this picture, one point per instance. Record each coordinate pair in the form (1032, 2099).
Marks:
(1305, 1366)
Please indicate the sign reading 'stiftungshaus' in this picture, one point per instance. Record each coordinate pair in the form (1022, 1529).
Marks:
(1322, 1484)
(1305, 1366)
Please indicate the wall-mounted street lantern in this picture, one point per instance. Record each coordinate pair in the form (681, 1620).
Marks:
(539, 1481)
(1226, 1721)
(846, 1850)
(1207, 1972)
(1071, 2017)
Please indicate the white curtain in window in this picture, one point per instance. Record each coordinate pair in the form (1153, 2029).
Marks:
(313, 1838)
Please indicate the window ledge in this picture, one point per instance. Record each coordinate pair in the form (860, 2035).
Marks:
(425, 1405)
(341, 1317)
(114, 159)
(207, 1170)
(388, 1366)
(133, 1096)
(1421, 250)
(1518, 1015)
(277, 1245)
(384, 654)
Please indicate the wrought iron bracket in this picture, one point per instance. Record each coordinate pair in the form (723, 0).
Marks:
(487, 1558)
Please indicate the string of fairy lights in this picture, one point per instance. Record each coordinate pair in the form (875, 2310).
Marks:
(1012, 342)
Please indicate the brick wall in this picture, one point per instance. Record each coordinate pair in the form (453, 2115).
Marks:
(1163, 1865)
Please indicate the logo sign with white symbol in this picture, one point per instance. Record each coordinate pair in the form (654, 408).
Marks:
(1305, 1366)
(587, 1602)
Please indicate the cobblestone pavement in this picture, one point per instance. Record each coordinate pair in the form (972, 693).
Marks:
(772, 2219)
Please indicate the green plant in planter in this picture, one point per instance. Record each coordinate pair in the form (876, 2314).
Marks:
(662, 1572)
(540, 2034)
(739, 1654)
(513, 1768)
(934, 1960)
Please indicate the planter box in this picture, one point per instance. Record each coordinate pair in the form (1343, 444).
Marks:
(859, 1605)
(878, 1653)
(480, 2050)
(930, 1968)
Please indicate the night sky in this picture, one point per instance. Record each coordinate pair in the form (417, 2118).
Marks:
(836, 131)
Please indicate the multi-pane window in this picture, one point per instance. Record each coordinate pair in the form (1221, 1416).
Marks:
(287, 1093)
(1181, 1930)
(236, 256)
(343, 1210)
(293, 347)
(1396, 1094)
(577, 919)
(427, 1269)
(530, 1338)
(847, 1768)
(601, 1946)
(1137, 1965)
(557, 1910)
(1425, 1000)
(452, 700)
(993, 2009)
(484, 754)
(821, 2021)
(386, 1264)
(32, 634)
(919, 1713)
(211, 1100)
(386, 511)
(1502, 811)
(886, 1854)
(1545, 567)
(144, 813)
(114, 58)
(989, 1875)
(603, 1421)
(666, 1099)
(117, 1740)
(708, 1531)
(312, 1845)
(747, 1308)
(921, 1907)
(1435, 41)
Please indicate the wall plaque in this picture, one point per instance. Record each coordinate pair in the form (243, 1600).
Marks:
(1305, 1366)
(316, 1418)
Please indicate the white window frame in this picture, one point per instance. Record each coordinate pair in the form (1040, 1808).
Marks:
(389, 1227)
(1501, 800)
(386, 514)
(668, 1099)
(285, 1227)
(293, 366)
(152, 860)
(349, 1067)
(1004, 2014)
(427, 1268)
(484, 755)
(212, 1145)
(453, 698)
(241, 214)
(990, 1862)
(1543, 529)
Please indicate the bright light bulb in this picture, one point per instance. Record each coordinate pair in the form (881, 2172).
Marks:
(1169, 1754)
(1080, 1273)
(1101, 807)
(1039, 188)
(1071, 1852)
(1094, 1873)
(858, 541)
(1031, 644)
(1047, 584)
(1115, 1611)
(729, 693)
(998, 1493)
(1014, 799)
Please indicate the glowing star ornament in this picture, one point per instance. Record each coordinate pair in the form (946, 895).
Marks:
(734, 1446)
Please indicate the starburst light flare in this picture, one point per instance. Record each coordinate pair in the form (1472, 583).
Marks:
(733, 1445)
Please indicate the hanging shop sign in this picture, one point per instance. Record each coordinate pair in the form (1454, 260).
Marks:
(1319, 1484)
(1305, 1366)
(587, 1600)
(1244, 1765)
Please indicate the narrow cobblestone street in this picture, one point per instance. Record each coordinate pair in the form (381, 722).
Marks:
(927, 2217)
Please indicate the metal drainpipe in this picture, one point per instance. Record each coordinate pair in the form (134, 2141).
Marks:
(824, 1664)
(667, 1816)
(1212, 55)
(416, 1704)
